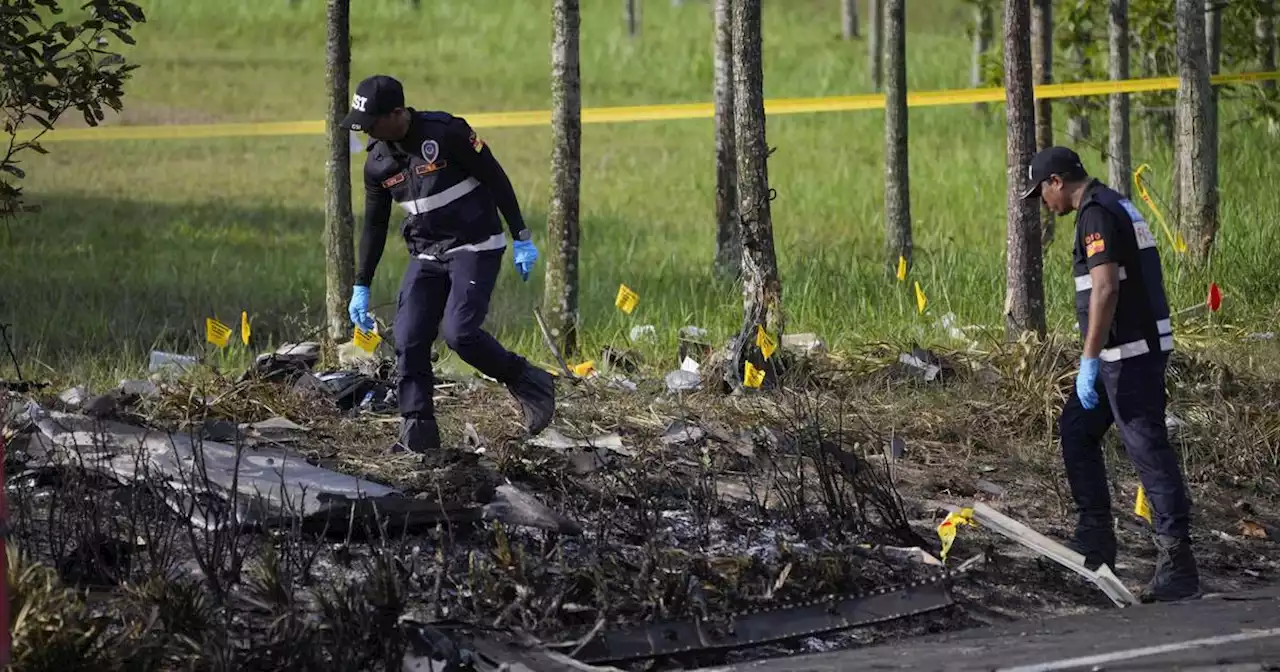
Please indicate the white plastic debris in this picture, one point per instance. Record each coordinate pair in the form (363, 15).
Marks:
(643, 332)
(75, 396)
(170, 362)
(805, 343)
(681, 380)
(930, 371)
(689, 365)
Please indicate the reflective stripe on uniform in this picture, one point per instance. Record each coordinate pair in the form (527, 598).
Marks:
(421, 206)
(495, 242)
(1085, 282)
(1133, 349)
(1164, 326)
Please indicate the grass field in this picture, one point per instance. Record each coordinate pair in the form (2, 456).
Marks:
(139, 241)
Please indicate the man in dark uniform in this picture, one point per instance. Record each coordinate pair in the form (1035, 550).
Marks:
(452, 189)
(1124, 321)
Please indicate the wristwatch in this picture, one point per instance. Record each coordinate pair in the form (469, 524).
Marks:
(525, 234)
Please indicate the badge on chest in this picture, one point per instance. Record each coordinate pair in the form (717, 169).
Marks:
(430, 154)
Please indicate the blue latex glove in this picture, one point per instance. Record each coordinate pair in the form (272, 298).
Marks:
(358, 309)
(526, 253)
(1087, 380)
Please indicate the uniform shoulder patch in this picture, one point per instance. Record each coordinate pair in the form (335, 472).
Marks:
(1094, 244)
(476, 143)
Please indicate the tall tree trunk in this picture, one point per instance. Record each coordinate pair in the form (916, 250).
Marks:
(849, 19)
(339, 240)
(1265, 29)
(1213, 47)
(1042, 72)
(1197, 148)
(728, 262)
(1119, 159)
(560, 302)
(1078, 129)
(983, 31)
(630, 16)
(875, 45)
(1024, 284)
(897, 189)
(762, 287)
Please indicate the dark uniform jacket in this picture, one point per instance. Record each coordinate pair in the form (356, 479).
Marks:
(448, 183)
(1109, 228)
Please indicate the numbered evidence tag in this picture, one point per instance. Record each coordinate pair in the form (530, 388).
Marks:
(216, 332)
(627, 299)
(366, 340)
(767, 344)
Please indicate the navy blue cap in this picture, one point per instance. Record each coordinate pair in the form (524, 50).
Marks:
(1049, 162)
(375, 96)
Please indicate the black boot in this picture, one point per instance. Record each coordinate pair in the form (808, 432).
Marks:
(1176, 576)
(418, 435)
(1096, 544)
(535, 389)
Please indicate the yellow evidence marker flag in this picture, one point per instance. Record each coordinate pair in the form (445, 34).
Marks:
(216, 332)
(584, 369)
(627, 299)
(947, 529)
(1142, 507)
(765, 342)
(902, 268)
(244, 326)
(921, 301)
(751, 376)
(366, 340)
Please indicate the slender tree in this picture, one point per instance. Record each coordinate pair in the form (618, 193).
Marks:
(1078, 128)
(1024, 283)
(1119, 161)
(1265, 30)
(1196, 148)
(762, 287)
(983, 33)
(631, 17)
(338, 219)
(728, 263)
(1213, 48)
(897, 190)
(875, 45)
(1042, 72)
(849, 19)
(560, 301)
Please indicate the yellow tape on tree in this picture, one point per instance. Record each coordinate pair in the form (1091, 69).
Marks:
(1175, 240)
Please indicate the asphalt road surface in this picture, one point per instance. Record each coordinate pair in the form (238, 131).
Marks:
(1239, 632)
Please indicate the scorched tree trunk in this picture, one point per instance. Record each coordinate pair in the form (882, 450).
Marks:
(1196, 148)
(897, 190)
(728, 262)
(1024, 302)
(338, 224)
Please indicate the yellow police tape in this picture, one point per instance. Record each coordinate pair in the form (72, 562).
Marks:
(625, 114)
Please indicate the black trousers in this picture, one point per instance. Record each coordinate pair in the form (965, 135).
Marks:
(1131, 395)
(448, 298)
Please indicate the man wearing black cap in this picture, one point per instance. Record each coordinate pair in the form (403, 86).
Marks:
(452, 188)
(1124, 321)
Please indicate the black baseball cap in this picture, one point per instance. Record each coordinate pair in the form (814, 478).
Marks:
(1049, 162)
(375, 96)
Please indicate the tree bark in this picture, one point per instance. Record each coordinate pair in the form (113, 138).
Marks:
(762, 287)
(728, 263)
(1119, 159)
(1197, 148)
(1265, 29)
(875, 45)
(1213, 45)
(1042, 72)
(983, 31)
(338, 220)
(897, 190)
(560, 301)
(629, 15)
(1024, 284)
(849, 19)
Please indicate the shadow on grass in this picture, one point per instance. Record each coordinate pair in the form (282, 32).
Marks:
(114, 278)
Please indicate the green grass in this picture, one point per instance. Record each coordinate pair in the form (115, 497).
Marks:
(140, 240)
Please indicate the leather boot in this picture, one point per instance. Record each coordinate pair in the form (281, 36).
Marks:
(1176, 576)
(1096, 544)
(535, 389)
(418, 435)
